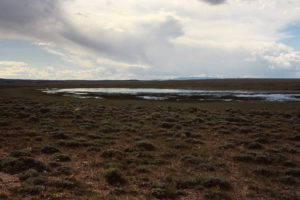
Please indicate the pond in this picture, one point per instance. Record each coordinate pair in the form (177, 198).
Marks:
(175, 94)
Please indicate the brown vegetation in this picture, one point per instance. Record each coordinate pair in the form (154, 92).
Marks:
(54, 147)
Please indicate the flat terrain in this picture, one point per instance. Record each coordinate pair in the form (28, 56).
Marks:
(55, 147)
(209, 84)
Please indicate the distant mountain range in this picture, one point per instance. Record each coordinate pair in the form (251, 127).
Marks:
(174, 79)
(193, 78)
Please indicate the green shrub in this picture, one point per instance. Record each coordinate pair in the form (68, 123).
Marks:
(144, 145)
(244, 158)
(293, 172)
(216, 195)
(206, 166)
(109, 153)
(167, 125)
(113, 176)
(26, 189)
(228, 145)
(29, 162)
(68, 183)
(193, 141)
(94, 136)
(191, 160)
(289, 180)
(70, 143)
(118, 191)
(262, 159)
(183, 182)
(20, 153)
(254, 145)
(277, 158)
(295, 137)
(114, 165)
(180, 145)
(54, 164)
(58, 135)
(61, 157)
(289, 163)
(11, 165)
(164, 192)
(16, 165)
(27, 174)
(63, 170)
(50, 149)
(142, 169)
(39, 180)
(212, 181)
(264, 172)
(169, 154)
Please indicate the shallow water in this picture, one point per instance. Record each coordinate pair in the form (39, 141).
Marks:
(176, 94)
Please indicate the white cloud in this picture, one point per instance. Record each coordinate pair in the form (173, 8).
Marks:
(21, 70)
(12, 63)
(160, 38)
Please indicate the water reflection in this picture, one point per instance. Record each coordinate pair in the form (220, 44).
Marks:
(175, 94)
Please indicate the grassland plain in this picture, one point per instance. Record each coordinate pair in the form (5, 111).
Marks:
(56, 147)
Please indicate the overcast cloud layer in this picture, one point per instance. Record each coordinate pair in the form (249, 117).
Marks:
(130, 39)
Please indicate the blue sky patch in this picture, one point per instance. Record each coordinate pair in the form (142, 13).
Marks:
(24, 51)
(294, 40)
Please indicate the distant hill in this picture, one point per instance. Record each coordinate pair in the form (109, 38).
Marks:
(193, 78)
(204, 83)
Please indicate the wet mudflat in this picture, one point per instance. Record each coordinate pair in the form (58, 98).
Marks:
(57, 147)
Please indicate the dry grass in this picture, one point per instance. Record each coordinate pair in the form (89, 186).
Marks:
(212, 150)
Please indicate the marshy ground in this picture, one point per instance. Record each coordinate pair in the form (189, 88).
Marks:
(55, 147)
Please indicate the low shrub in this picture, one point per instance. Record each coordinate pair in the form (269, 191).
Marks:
(63, 170)
(59, 135)
(61, 157)
(216, 195)
(68, 183)
(164, 192)
(193, 141)
(20, 153)
(26, 189)
(191, 160)
(54, 164)
(144, 145)
(293, 172)
(212, 181)
(16, 165)
(109, 153)
(264, 172)
(295, 137)
(183, 182)
(288, 180)
(142, 169)
(254, 145)
(244, 158)
(38, 180)
(27, 174)
(113, 176)
(50, 149)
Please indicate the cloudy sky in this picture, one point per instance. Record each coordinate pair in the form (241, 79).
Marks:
(142, 39)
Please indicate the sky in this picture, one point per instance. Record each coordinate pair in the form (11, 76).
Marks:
(142, 39)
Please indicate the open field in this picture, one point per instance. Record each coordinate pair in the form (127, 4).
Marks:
(56, 147)
(209, 84)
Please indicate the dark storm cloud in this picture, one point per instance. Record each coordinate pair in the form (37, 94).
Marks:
(214, 2)
(127, 46)
(35, 20)
(44, 20)
(17, 14)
